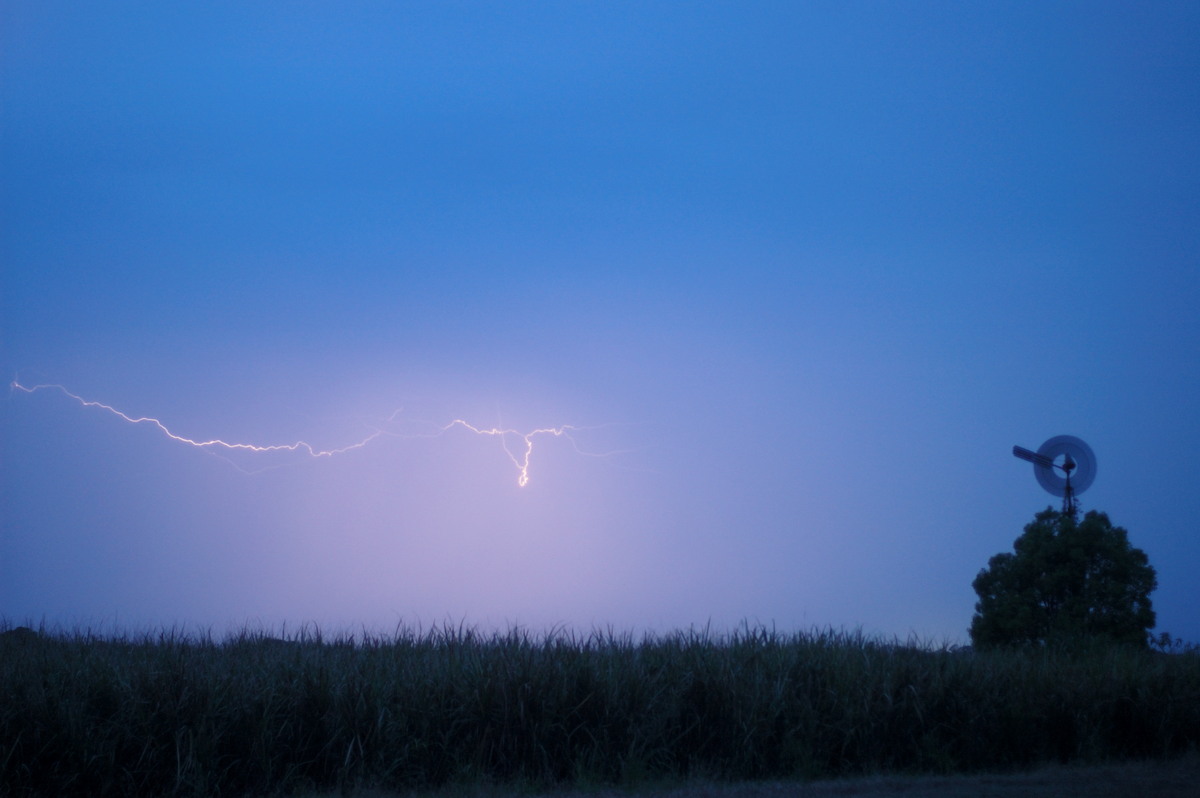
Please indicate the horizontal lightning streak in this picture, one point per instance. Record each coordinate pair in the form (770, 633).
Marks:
(521, 462)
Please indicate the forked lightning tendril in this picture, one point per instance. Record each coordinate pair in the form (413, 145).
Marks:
(519, 459)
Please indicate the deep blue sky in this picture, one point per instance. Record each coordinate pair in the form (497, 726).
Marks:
(818, 266)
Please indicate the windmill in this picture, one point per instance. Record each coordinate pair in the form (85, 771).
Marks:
(1068, 455)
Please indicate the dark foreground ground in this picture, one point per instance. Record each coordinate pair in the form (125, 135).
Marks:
(1175, 779)
(448, 712)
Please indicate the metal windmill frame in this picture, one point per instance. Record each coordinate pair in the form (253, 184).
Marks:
(1078, 463)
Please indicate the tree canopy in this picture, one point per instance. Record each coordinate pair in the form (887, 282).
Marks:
(1065, 581)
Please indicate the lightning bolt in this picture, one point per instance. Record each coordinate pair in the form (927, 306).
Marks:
(520, 458)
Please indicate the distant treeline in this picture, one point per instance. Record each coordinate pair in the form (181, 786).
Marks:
(170, 714)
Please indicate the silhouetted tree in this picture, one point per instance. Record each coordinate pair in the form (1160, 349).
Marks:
(1067, 581)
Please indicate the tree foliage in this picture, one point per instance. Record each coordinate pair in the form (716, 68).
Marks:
(1065, 581)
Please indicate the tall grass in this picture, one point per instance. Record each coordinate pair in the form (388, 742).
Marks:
(173, 714)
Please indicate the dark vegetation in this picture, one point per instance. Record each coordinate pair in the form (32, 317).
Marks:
(170, 713)
(1065, 581)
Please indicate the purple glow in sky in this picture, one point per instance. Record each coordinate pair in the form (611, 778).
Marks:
(799, 275)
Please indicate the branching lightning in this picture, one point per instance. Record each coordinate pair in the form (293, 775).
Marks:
(520, 457)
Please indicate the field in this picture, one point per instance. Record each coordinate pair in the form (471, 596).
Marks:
(451, 709)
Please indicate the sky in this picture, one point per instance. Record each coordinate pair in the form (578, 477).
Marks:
(797, 275)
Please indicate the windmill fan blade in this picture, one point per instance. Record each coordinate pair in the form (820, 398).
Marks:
(1070, 449)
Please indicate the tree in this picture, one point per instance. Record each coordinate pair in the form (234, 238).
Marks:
(1066, 581)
